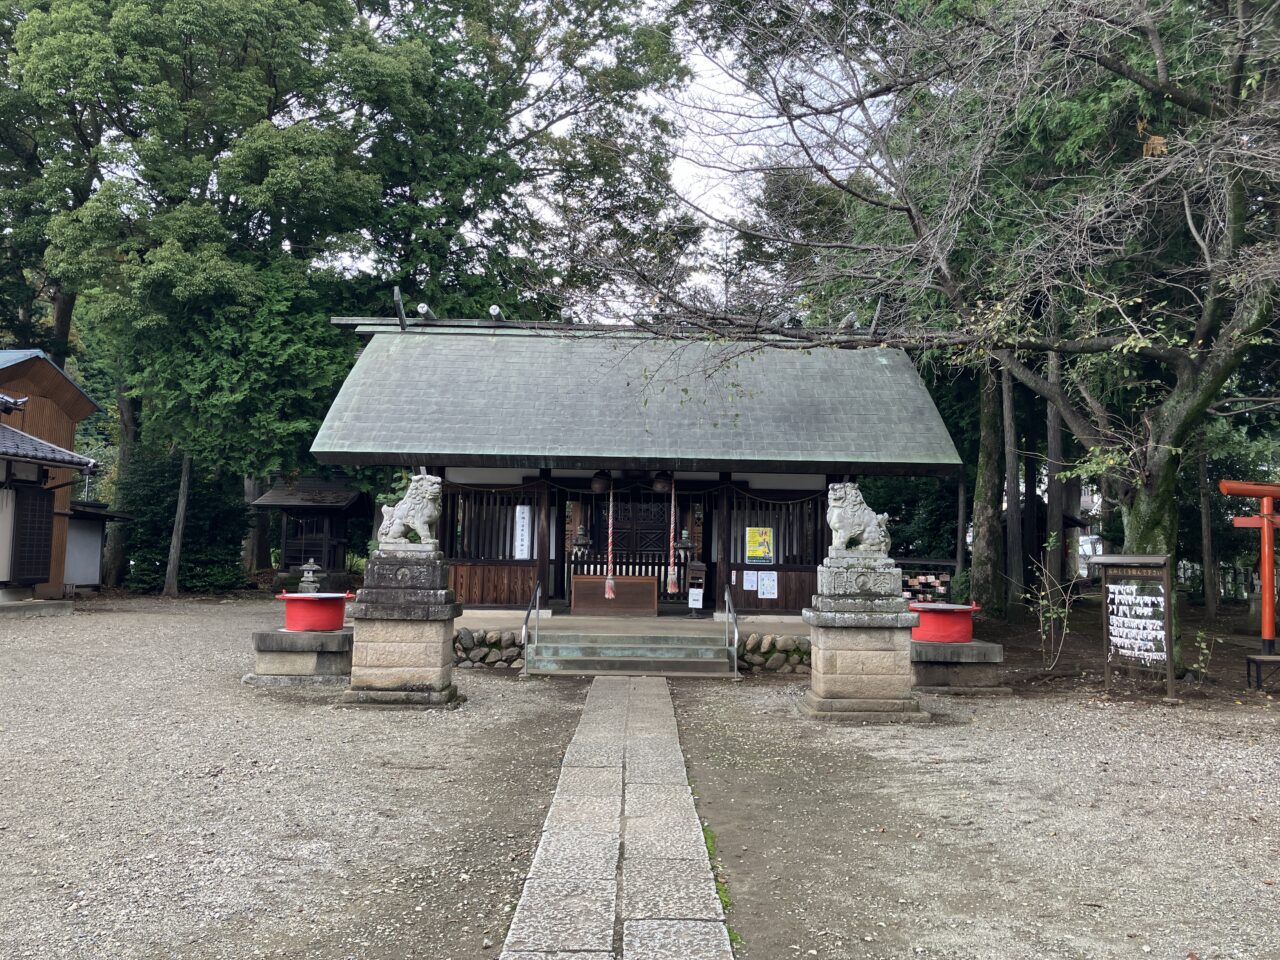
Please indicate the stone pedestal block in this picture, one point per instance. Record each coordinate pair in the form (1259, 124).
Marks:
(860, 634)
(403, 650)
(972, 668)
(283, 657)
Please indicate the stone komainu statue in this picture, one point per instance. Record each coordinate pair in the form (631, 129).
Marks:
(854, 525)
(418, 511)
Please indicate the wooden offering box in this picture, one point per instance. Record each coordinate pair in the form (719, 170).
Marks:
(633, 596)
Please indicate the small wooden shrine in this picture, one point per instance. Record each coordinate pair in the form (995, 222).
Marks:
(314, 513)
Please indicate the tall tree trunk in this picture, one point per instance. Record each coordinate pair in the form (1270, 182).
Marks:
(1149, 512)
(64, 304)
(116, 563)
(1208, 556)
(262, 559)
(1031, 545)
(1150, 520)
(179, 521)
(249, 547)
(1053, 529)
(1071, 496)
(1106, 510)
(1015, 588)
(986, 584)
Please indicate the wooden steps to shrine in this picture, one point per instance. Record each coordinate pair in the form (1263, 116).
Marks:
(644, 656)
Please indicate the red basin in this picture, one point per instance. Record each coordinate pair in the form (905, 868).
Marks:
(314, 611)
(944, 622)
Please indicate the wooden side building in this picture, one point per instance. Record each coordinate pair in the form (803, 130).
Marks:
(40, 407)
(541, 435)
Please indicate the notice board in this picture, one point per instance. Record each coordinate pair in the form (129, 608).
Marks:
(1137, 624)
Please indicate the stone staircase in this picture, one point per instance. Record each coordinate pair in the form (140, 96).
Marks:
(642, 656)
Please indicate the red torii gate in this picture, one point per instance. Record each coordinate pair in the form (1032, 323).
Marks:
(1266, 521)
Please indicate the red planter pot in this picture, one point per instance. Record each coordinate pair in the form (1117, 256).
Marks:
(944, 622)
(314, 611)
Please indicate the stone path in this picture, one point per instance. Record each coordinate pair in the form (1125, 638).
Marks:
(622, 869)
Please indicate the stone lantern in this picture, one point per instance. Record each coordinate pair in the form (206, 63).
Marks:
(309, 582)
(581, 543)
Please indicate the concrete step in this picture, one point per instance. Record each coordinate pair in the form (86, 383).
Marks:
(630, 666)
(22, 609)
(643, 639)
(621, 647)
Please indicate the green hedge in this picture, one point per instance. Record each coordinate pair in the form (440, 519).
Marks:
(217, 520)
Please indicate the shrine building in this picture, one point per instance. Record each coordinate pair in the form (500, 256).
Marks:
(712, 461)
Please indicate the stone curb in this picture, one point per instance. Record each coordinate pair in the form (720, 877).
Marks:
(261, 680)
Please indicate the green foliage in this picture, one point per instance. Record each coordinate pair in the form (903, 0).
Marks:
(1021, 180)
(206, 183)
(922, 513)
(216, 523)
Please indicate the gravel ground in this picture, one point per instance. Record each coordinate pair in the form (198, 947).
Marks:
(1055, 826)
(153, 806)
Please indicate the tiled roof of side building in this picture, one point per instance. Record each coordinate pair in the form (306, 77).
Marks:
(16, 445)
(463, 396)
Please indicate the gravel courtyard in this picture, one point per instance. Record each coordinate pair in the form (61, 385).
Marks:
(153, 806)
(1012, 829)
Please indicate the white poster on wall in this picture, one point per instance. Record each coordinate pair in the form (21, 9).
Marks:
(749, 579)
(522, 549)
(767, 585)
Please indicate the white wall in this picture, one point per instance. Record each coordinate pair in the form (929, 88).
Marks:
(6, 533)
(84, 553)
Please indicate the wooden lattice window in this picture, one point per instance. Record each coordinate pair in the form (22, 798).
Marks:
(32, 534)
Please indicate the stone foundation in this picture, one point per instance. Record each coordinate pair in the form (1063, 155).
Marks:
(972, 668)
(860, 643)
(283, 657)
(501, 650)
(403, 642)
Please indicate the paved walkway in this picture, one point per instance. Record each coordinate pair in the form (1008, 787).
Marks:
(622, 869)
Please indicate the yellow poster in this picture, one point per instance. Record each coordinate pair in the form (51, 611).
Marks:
(760, 545)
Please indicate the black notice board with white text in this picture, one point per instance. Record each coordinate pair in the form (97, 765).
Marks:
(1138, 598)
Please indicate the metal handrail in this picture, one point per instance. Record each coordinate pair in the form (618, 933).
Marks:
(535, 604)
(730, 620)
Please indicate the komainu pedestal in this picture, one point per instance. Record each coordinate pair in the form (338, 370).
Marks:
(860, 631)
(403, 650)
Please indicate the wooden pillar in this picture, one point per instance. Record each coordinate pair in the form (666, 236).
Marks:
(722, 540)
(543, 552)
